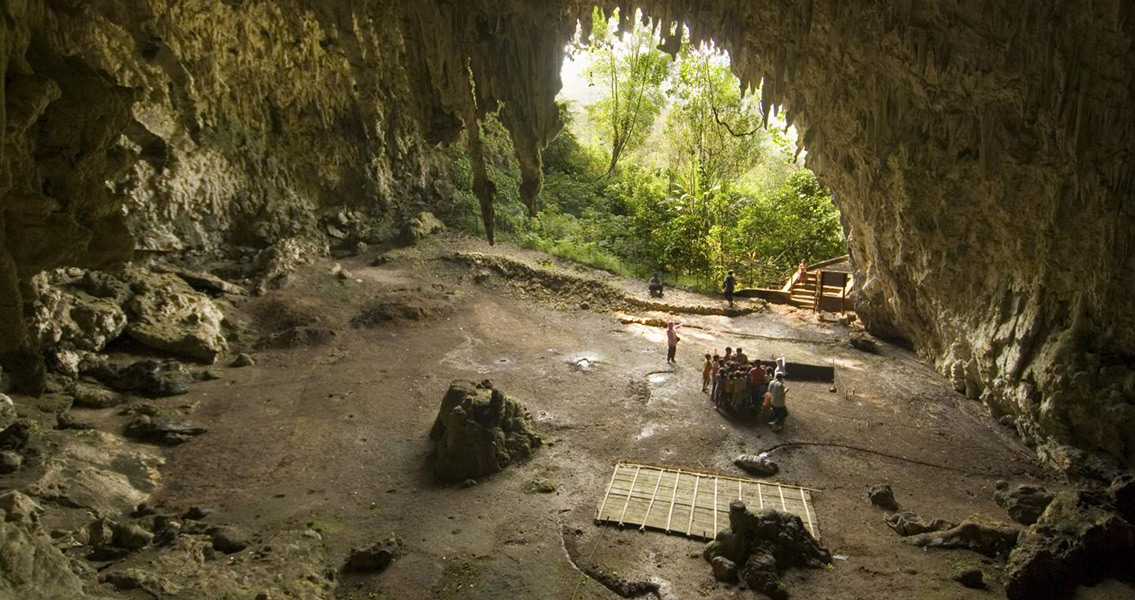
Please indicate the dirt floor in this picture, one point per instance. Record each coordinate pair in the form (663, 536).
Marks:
(329, 430)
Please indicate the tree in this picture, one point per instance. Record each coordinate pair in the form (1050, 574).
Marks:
(632, 70)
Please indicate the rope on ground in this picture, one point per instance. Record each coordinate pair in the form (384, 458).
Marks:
(875, 452)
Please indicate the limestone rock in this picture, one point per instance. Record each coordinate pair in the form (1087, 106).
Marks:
(990, 539)
(862, 341)
(423, 225)
(168, 315)
(242, 360)
(34, 569)
(1079, 539)
(130, 536)
(152, 378)
(479, 430)
(18, 508)
(883, 497)
(7, 411)
(10, 462)
(229, 539)
(159, 431)
(765, 544)
(971, 577)
(94, 470)
(374, 558)
(1024, 503)
(93, 396)
(724, 570)
(206, 282)
(64, 313)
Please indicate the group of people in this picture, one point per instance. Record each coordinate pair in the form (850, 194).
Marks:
(746, 387)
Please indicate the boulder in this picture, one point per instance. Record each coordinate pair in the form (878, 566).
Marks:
(883, 497)
(33, 568)
(970, 577)
(764, 544)
(64, 311)
(15, 436)
(478, 431)
(242, 360)
(7, 410)
(168, 315)
(907, 523)
(93, 396)
(130, 536)
(229, 539)
(157, 379)
(1024, 503)
(10, 462)
(1080, 539)
(19, 508)
(374, 558)
(724, 570)
(421, 226)
(989, 539)
(861, 340)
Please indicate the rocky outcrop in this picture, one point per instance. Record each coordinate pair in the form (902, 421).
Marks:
(478, 431)
(758, 547)
(1082, 537)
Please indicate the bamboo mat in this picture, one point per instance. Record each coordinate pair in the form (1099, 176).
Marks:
(691, 503)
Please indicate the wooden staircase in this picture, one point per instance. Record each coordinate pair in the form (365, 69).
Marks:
(802, 294)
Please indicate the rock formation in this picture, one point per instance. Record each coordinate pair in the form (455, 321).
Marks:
(758, 547)
(1082, 537)
(479, 431)
(979, 151)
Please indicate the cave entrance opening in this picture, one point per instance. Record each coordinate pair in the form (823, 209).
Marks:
(668, 164)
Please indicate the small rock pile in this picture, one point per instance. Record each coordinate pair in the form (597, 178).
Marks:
(479, 430)
(758, 547)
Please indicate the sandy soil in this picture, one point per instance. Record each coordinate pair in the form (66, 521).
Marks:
(334, 436)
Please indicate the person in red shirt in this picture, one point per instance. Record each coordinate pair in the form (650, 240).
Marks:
(757, 384)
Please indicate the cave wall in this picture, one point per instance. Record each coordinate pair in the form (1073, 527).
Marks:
(980, 151)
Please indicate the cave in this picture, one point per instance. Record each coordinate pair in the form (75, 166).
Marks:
(980, 154)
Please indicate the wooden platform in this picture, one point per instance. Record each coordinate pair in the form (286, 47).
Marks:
(691, 503)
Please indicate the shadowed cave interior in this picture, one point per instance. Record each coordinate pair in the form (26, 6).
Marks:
(269, 186)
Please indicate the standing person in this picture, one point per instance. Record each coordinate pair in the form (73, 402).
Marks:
(729, 284)
(778, 392)
(740, 358)
(715, 378)
(728, 355)
(757, 385)
(719, 384)
(706, 372)
(672, 340)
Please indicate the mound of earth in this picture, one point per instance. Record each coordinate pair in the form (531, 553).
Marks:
(569, 289)
(479, 430)
(405, 307)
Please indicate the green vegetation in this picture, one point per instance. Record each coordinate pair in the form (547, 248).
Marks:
(677, 176)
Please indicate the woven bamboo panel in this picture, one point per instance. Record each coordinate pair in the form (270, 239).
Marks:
(690, 503)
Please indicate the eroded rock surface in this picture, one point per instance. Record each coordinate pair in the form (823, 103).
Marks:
(478, 431)
(759, 547)
(1082, 537)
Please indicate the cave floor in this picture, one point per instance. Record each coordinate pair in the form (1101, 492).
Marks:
(335, 437)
